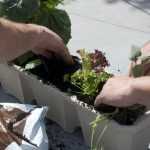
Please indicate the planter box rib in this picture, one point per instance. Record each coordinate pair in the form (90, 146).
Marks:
(70, 113)
(10, 81)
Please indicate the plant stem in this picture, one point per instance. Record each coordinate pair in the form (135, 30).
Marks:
(92, 138)
(94, 125)
(98, 143)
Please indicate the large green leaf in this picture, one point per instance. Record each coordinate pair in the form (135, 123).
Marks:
(51, 3)
(56, 20)
(19, 10)
(59, 22)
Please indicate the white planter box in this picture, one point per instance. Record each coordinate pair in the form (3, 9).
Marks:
(115, 136)
(69, 114)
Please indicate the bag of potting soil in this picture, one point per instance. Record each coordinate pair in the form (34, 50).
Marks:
(22, 127)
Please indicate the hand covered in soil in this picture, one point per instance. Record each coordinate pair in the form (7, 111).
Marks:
(118, 91)
(49, 44)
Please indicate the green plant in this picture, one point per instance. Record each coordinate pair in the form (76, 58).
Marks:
(94, 125)
(91, 77)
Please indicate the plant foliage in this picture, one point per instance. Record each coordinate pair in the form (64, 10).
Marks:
(91, 77)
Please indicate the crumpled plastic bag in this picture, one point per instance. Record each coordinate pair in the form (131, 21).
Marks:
(22, 127)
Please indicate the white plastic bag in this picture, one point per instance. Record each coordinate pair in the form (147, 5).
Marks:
(22, 127)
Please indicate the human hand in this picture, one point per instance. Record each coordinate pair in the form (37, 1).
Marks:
(118, 91)
(49, 43)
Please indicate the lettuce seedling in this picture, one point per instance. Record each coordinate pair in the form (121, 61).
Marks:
(92, 75)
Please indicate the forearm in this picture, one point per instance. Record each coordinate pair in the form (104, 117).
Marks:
(15, 39)
(142, 90)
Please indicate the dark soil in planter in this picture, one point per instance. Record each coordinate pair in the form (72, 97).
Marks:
(125, 116)
(52, 71)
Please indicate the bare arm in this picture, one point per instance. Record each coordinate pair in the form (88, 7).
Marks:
(16, 39)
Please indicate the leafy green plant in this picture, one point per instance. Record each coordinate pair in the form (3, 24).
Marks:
(91, 77)
(88, 81)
